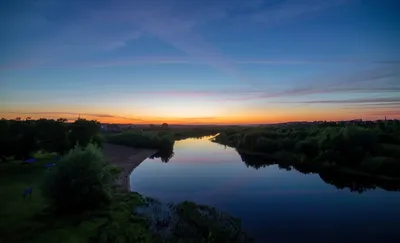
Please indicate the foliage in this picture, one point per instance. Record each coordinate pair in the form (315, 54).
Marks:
(21, 138)
(205, 223)
(369, 147)
(53, 135)
(141, 140)
(122, 225)
(29, 221)
(82, 179)
(82, 132)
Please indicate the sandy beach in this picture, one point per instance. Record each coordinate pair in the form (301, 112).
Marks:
(127, 158)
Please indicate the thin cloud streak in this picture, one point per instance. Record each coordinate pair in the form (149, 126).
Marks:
(388, 114)
(126, 62)
(375, 106)
(362, 82)
(349, 101)
(209, 94)
(290, 10)
(286, 94)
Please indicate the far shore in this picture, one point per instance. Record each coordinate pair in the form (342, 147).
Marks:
(127, 158)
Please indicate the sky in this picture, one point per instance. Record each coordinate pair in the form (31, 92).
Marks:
(200, 62)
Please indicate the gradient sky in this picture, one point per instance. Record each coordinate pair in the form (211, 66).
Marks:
(200, 62)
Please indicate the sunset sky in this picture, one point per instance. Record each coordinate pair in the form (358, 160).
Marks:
(200, 62)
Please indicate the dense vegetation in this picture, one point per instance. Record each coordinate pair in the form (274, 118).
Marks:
(93, 211)
(371, 148)
(21, 138)
(76, 199)
(141, 139)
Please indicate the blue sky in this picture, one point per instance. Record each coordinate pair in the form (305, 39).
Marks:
(200, 61)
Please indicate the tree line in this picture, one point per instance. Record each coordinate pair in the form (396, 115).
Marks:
(19, 139)
(367, 147)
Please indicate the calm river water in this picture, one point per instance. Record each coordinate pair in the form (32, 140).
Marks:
(275, 205)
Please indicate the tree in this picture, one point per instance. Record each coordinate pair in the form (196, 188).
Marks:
(81, 180)
(4, 140)
(164, 125)
(52, 135)
(83, 131)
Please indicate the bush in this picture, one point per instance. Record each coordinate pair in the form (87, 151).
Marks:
(82, 179)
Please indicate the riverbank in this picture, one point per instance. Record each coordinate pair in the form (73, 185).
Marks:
(129, 217)
(127, 158)
(370, 149)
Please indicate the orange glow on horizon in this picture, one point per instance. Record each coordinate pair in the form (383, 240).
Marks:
(249, 118)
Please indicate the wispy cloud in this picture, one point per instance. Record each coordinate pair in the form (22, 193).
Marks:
(363, 81)
(192, 61)
(390, 114)
(168, 60)
(111, 26)
(289, 10)
(375, 106)
(178, 30)
(203, 93)
(388, 100)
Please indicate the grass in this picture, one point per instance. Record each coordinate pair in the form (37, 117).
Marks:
(30, 220)
(14, 178)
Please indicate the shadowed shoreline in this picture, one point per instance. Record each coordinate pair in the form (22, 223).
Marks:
(127, 158)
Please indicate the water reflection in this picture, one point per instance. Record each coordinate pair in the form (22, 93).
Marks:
(355, 183)
(165, 155)
(274, 205)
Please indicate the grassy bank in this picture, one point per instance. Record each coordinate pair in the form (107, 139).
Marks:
(28, 220)
(365, 148)
(33, 220)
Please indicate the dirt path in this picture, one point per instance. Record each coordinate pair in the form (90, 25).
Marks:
(127, 158)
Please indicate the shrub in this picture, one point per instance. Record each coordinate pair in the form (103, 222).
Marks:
(82, 179)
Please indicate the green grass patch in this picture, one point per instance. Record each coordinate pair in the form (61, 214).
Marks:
(30, 220)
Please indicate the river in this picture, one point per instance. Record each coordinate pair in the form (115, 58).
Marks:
(275, 205)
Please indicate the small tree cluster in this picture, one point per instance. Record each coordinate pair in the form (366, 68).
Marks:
(81, 180)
